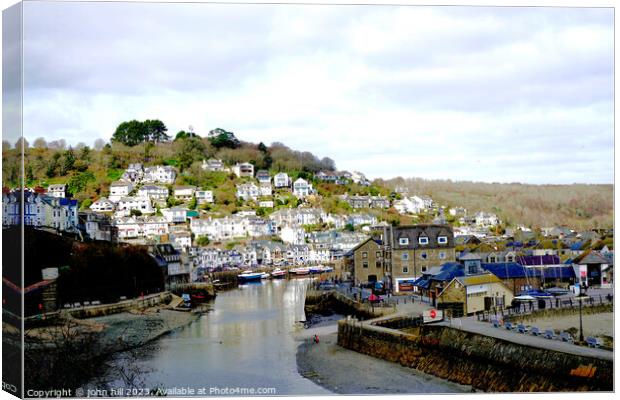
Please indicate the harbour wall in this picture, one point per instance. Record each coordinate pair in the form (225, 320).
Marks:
(324, 302)
(486, 363)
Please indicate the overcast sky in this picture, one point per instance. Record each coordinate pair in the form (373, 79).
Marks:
(465, 93)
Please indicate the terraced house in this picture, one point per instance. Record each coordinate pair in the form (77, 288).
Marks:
(417, 248)
(399, 255)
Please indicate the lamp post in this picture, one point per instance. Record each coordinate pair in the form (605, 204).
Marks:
(580, 321)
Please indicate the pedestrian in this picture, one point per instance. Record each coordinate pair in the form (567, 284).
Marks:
(316, 338)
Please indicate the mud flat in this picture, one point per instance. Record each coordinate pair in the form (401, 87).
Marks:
(344, 371)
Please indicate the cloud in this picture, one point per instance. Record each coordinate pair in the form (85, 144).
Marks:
(490, 94)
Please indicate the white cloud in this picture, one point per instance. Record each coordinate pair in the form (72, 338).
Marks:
(491, 94)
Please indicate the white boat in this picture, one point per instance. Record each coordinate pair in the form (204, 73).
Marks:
(278, 273)
(264, 275)
(301, 271)
(249, 276)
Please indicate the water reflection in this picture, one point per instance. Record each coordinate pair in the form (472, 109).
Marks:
(246, 340)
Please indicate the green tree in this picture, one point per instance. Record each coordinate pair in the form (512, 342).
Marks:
(262, 147)
(221, 138)
(203, 241)
(131, 133)
(349, 227)
(156, 131)
(192, 204)
(189, 151)
(135, 213)
(185, 135)
(77, 183)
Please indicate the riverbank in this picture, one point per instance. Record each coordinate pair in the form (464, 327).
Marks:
(345, 371)
(132, 329)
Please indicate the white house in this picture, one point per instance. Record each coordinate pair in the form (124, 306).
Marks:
(102, 205)
(301, 188)
(142, 204)
(134, 173)
(156, 193)
(181, 239)
(204, 196)
(407, 206)
(293, 234)
(243, 169)
(154, 226)
(213, 165)
(266, 204)
(263, 177)
(119, 190)
(160, 173)
(128, 228)
(486, 219)
(248, 191)
(298, 216)
(184, 193)
(175, 214)
(265, 189)
(281, 180)
(59, 190)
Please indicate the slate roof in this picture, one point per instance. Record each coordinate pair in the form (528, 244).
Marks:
(510, 270)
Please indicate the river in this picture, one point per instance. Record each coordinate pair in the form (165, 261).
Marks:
(247, 340)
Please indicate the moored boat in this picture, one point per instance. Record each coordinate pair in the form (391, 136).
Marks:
(316, 270)
(264, 275)
(301, 271)
(278, 273)
(249, 276)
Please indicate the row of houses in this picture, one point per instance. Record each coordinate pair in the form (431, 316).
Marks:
(40, 210)
(357, 202)
(136, 173)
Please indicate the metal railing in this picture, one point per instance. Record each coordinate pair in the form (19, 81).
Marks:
(529, 307)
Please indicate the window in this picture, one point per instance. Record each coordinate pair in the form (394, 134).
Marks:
(378, 255)
(365, 264)
(403, 241)
(442, 255)
(405, 270)
(442, 240)
(423, 255)
(423, 240)
(364, 254)
(423, 269)
(405, 256)
(378, 264)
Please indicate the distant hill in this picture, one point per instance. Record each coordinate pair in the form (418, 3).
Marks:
(578, 205)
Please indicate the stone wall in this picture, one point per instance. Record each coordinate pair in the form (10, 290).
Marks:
(326, 302)
(485, 363)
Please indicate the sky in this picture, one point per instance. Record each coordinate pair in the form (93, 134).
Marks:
(492, 94)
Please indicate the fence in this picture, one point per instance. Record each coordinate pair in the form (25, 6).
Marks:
(531, 306)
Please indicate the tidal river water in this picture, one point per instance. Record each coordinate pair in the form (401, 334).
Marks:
(247, 342)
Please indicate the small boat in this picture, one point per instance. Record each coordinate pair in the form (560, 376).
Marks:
(264, 275)
(316, 270)
(249, 276)
(301, 271)
(278, 273)
(328, 269)
(536, 293)
(524, 297)
(198, 297)
(557, 291)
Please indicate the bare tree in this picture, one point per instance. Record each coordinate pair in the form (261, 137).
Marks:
(99, 143)
(40, 143)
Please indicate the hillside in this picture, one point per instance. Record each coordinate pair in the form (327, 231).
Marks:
(578, 206)
(89, 172)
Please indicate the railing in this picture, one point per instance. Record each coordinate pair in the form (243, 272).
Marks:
(525, 308)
